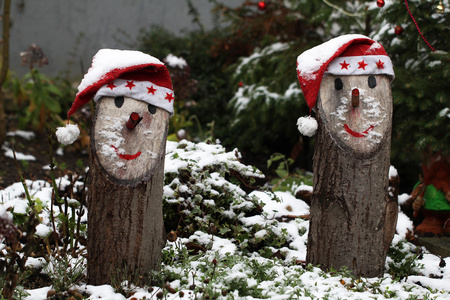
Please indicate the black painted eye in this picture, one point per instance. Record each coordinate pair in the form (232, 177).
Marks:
(372, 81)
(118, 101)
(152, 109)
(338, 85)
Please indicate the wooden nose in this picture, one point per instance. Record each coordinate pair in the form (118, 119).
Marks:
(355, 97)
(133, 120)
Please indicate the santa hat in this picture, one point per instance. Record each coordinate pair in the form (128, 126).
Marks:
(123, 73)
(351, 54)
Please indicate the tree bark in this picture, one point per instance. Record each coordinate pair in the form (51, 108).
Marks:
(353, 218)
(5, 67)
(125, 220)
(126, 229)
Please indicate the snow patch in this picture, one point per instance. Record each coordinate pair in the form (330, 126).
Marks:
(19, 156)
(444, 113)
(27, 135)
(392, 172)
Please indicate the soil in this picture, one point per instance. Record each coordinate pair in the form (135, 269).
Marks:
(74, 159)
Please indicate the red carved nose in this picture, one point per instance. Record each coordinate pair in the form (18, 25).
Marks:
(355, 97)
(133, 120)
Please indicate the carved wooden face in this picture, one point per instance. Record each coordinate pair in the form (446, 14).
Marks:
(357, 109)
(129, 137)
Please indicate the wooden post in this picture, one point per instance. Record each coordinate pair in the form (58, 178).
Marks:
(5, 66)
(126, 177)
(353, 219)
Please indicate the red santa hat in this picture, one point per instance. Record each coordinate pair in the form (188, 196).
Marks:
(351, 54)
(122, 73)
(126, 73)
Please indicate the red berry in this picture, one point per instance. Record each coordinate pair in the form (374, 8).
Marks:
(398, 30)
(262, 5)
(380, 3)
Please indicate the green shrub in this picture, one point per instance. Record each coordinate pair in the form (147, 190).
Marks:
(206, 189)
(402, 260)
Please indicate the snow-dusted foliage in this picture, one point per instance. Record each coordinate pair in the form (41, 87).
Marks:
(208, 190)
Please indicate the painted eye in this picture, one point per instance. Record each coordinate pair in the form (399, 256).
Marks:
(372, 81)
(338, 85)
(118, 101)
(152, 109)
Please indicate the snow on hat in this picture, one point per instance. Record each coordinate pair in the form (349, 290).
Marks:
(122, 73)
(352, 54)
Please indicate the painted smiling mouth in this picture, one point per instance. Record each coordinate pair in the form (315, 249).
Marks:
(358, 134)
(126, 156)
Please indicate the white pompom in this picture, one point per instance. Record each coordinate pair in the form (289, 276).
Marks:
(68, 134)
(307, 125)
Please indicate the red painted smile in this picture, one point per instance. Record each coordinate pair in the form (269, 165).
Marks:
(358, 134)
(127, 156)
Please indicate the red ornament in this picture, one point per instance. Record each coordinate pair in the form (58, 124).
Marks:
(398, 30)
(241, 83)
(262, 5)
(380, 3)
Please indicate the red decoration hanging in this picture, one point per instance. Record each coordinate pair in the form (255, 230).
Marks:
(380, 3)
(398, 30)
(417, 26)
(262, 5)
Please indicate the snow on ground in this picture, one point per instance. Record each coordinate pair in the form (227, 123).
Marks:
(224, 271)
(8, 152)
(28, 135)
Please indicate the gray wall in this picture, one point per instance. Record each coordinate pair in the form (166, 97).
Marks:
(62, 27)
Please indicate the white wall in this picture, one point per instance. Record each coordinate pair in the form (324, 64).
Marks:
(61, 26)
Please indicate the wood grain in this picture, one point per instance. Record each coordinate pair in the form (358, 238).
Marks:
(149, 138)
(375, 108)
(125, 220)
(353, 218)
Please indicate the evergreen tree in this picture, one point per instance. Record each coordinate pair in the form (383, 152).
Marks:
(421, 89)
(268, 101)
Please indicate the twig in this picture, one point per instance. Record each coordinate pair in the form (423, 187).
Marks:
(22, 179)
(305, 217)
(52, 167)
(55, 193)
(340, 9)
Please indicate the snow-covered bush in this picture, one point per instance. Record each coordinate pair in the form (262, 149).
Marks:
(207, 189)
